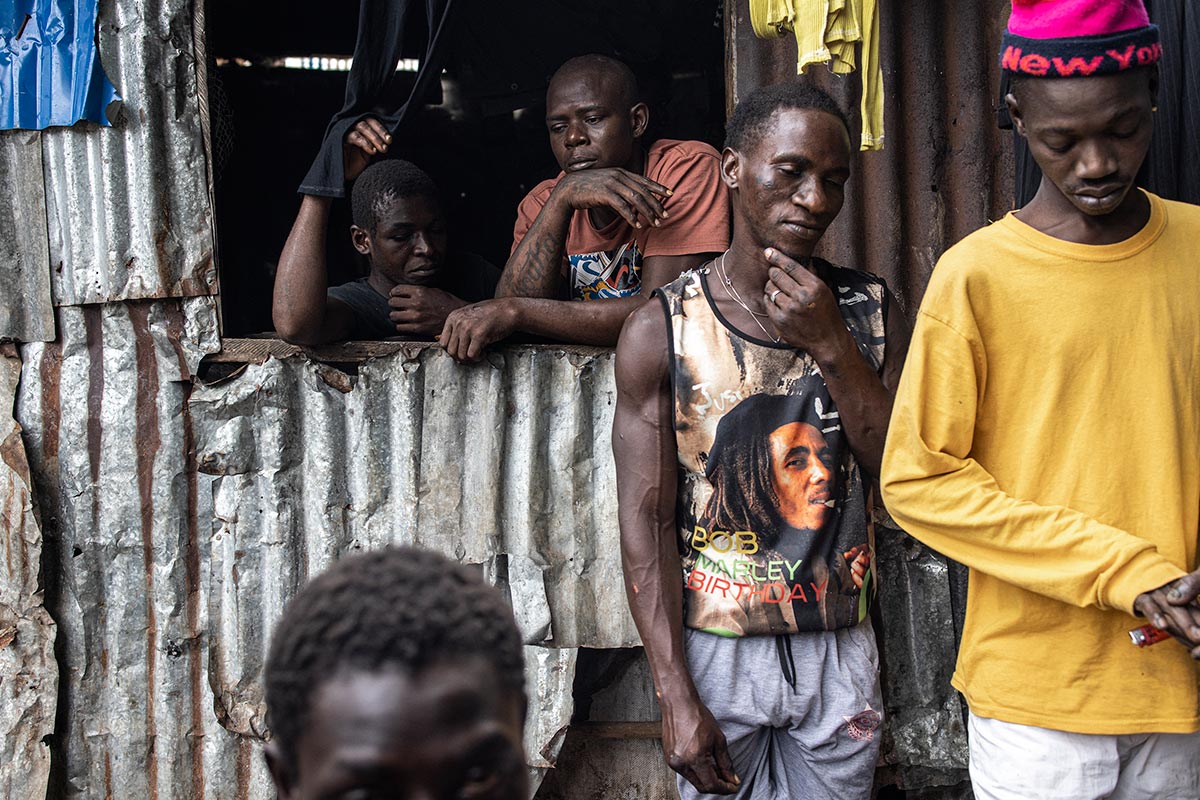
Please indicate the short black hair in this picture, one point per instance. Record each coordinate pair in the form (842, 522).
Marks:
(618, 71)
(396, 608)
(753, 114)
(383, 183)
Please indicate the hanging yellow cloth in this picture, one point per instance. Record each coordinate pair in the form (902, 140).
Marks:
(827, 32)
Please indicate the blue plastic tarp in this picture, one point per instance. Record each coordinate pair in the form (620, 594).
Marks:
(50, 71)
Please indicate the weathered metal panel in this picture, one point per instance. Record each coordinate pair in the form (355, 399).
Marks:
(549, 676)
(128, 207)
(505, 460)
(167, 593)
(945, 170)
(26, 313)
(925, 737)
(28, 672)
(105, 417)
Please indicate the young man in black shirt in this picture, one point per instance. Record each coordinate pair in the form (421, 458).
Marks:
(413, 283)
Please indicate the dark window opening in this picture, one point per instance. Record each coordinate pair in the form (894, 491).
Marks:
(278, 72)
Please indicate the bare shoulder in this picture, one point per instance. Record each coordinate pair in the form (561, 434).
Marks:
(643, 351)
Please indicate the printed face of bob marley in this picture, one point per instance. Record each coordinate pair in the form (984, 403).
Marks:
(801, 472)
(767, 548)
(773, 466)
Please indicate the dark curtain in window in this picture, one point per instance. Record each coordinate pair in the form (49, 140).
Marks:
(383, 26)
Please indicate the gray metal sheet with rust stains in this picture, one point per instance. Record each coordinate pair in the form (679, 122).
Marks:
(165, 592)
(105, 419)
(127, 208)
(28, 671)
(26, 312)
(484, 462)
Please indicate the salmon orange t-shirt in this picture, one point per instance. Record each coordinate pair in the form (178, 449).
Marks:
(607, 262)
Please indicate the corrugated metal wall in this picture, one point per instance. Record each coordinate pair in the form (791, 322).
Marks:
(26, 312)
(105, 419)
(509, 459)
(107, 214)
(128, 207)
(28, 671)
(182, 518)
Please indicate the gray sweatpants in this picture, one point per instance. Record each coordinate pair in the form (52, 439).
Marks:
(818, 741)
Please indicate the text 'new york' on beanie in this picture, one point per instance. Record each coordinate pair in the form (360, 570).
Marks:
(1078, 38)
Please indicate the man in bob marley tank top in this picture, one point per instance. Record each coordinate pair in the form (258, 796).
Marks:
(753, 401)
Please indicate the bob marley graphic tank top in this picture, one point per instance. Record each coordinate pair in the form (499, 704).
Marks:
(774, 529)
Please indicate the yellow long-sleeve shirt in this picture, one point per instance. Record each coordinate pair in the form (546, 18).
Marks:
(1046, 433)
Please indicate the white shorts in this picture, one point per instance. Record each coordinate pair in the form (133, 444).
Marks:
(1021, 762)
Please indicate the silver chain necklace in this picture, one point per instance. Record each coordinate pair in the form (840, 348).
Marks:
(737, 298)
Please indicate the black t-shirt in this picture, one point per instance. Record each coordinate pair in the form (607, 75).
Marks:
(466, 276)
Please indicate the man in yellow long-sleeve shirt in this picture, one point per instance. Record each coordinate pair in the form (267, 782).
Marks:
(1046, 433)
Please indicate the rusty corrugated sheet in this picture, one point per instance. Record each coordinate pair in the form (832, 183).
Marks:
(127, 207)
(26, 312)
(945, 169)
(105, 419)
(510, 459)
(28, 672)
(165, 582)
(549, 677)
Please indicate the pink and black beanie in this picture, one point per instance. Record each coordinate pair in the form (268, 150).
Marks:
(1066, 38)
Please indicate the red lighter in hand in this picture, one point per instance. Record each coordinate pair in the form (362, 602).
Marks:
(1148, 635)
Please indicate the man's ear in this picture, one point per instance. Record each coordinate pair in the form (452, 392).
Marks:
(1154, 86)
(1014, 112)
(639, 119)
(279, 772)
(360, 239)
(731, 167)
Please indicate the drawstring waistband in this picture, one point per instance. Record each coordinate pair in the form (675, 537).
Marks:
(783, 646)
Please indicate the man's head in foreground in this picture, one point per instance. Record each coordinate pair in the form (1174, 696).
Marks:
(595, 116)
(786, 160)
(1084, 79)
(397, 673)
(398, 222)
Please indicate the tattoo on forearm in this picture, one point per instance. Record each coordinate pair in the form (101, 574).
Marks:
(534, 275)
(535, 268)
